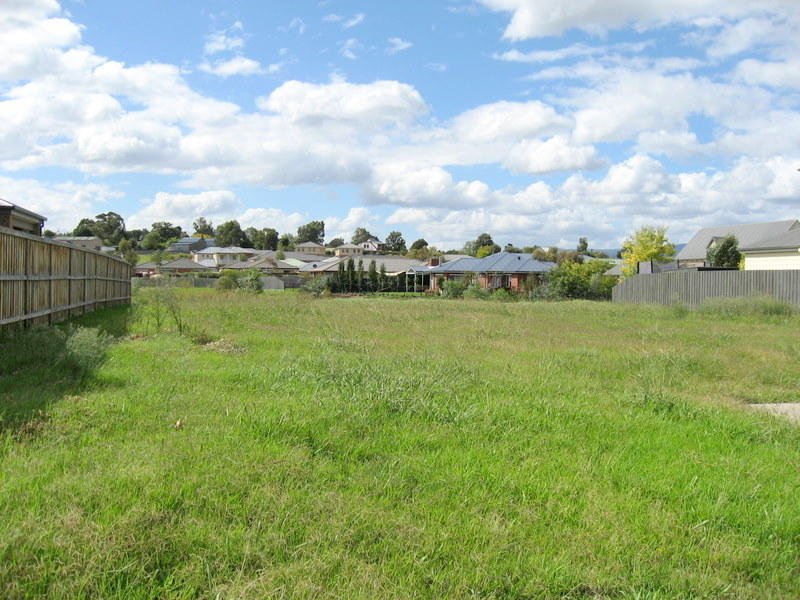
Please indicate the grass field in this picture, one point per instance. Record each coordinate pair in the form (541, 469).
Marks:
(405, 448)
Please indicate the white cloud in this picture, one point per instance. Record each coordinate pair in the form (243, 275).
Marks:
(368, 106)
(333, 18)
(183, 209)
(397, 44)
(539, 18)
(272, 217)
(555, 154)
(225, 40)
(350, 47)
(354, 21)
(64, 204)
(778, 74)
(238, 65)
(344, 227)
(436, 66)
(508, 121)
(297, 24)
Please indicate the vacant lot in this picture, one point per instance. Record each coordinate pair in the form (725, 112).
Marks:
(398, 448)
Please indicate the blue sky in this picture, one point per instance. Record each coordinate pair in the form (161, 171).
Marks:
(537, 121)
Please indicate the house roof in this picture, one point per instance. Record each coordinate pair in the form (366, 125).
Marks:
(349, 246)
(789, 240)
(226, 250)
(502, 262)
(76, 238)
(146, 265)
(182, 263)
(392, 264)
(25, 211)
(747, 234)
(309, 244)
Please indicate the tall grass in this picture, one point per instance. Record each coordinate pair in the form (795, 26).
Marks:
(379, 448)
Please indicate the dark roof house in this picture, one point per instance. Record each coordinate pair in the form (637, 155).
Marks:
(16, 217)
(749, 235)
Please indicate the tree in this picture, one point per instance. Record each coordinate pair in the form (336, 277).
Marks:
(203, 228)
(109, 227)
(724, 253)
(286, 242)
(49, 233)
(394, 242)
(484, 251)
(646, 243)
(262, 239)
(152, 241)
(351, 275)
(372, 275)
(481, 241)
(166, 231)
(583, 244)
(582, 280)
(361, 235)
(230, 234)
(335, 242)
(84, 228)
(311, 232)
(126, 251)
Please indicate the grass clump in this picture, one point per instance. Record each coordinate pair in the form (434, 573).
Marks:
(759, 306)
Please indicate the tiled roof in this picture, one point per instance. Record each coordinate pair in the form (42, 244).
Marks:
(502, 262)
(789, 240)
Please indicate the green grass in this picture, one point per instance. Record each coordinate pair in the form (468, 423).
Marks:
(416, 448)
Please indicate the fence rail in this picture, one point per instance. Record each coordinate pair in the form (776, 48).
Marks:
(693, 287)
(42, 281)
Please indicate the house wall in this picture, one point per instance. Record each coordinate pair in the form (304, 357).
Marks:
(772, 261)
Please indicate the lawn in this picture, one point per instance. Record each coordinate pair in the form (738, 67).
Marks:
(404, 448)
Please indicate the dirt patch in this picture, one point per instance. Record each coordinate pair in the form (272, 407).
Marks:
(788, 410)
(224, 346)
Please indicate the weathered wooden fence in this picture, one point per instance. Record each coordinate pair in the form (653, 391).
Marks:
(42, 281)
(692, 287)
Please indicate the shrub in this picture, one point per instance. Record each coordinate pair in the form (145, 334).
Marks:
(317, 286)
(503, 295)
(582, 280)
(251, 281)
(454, 288)
(86, 349)
(226, 283)
(476, 292)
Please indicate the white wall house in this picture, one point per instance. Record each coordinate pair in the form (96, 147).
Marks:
(222, 257)
(778, 253)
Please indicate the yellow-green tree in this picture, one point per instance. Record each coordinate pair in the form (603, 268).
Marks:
(646, 243)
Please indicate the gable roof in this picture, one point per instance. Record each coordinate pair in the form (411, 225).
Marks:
(747, 235)
(309, 244)
(182, 263)
(391, 263)
(502, 262)
(789, 240)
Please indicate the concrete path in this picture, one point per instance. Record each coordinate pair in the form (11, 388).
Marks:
(790, 410)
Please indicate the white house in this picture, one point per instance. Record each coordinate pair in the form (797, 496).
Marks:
(781, 252)
(349, 250)
(310, 248)
(222, 257)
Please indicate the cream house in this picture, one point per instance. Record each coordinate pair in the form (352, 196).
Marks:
(777, 253)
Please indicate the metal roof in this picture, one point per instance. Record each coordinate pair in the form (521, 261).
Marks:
(226, 250)
(502, 262)
(392, 264)
(748, 235)
(182, 263)
(25, 211)
(789, 240)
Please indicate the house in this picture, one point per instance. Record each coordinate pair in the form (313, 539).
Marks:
(372, 245)
(145, 269)
(509, 270)
(181, 265)
(85, 242)
(188, 245)
(269, 264)
(781, 252)
(394, 266)
(349, 250)
(222, 257)
(749, 235)
(310, 248)
(20, 219)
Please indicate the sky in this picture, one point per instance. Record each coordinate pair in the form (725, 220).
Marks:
(537, 121)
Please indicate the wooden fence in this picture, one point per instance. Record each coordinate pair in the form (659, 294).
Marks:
(692, 287)
(42, 281)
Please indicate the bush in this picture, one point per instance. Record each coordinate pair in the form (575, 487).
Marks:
(503, 295)
(317, 286)
(454, 288)
(86, 349)
(756, 306)
(476, 292)
(582, 280)
(226, 283)
(251, 281)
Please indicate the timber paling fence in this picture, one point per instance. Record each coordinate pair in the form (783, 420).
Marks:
(42, 281)
(693, 287)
